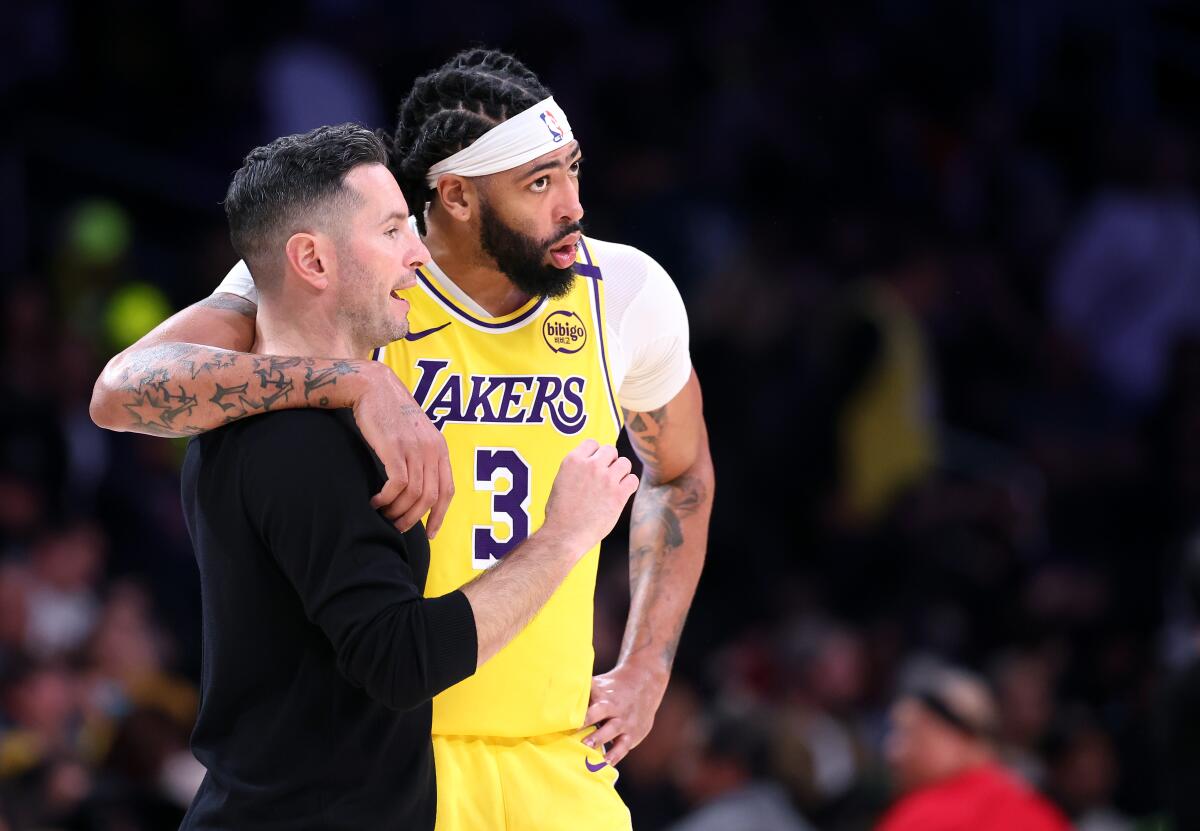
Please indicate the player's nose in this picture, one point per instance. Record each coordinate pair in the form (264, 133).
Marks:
(570, 210)
(418, 255)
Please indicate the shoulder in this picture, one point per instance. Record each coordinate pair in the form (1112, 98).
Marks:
(308, 445)
(929, 809)
(625, 264)
(281, 426)
(635, 284)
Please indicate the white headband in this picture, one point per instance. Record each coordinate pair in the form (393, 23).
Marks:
(538, 130)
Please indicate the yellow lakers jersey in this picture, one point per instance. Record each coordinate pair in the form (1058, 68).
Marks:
(512, 395)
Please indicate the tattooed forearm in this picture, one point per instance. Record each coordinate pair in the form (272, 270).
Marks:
(183, 389)
(272, 377)
(668, 530)
(314, 379)
(218, 360)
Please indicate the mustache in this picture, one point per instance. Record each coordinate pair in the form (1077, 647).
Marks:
(573, 228)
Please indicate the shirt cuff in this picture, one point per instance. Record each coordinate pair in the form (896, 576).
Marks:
(453, 639)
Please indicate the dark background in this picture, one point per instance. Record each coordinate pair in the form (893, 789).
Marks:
(942, 265)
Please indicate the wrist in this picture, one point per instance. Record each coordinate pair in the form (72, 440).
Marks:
(369, 375)
(650, 662)
(563, 541)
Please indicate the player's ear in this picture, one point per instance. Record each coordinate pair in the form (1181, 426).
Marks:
(310, 257)
(457, 195)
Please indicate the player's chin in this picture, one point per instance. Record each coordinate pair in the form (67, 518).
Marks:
(397, 325)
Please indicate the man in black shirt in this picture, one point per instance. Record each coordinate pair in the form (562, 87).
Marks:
(320, 653)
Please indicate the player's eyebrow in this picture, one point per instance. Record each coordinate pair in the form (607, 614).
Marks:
(398, 216)
(549, 165)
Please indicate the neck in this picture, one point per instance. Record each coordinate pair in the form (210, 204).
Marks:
(303, 329)
(454, 246)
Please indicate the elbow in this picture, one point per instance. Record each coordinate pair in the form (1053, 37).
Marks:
(699, 479)
(702, 467)
(102, 405)
(405, 700)
(404, 690)
(394, 659)
(389, 684)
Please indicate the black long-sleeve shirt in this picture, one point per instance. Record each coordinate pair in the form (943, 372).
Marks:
(320, 653)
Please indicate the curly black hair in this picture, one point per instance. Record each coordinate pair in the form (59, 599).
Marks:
(450, 108)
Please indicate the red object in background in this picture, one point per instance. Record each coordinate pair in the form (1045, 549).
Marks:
(984, 799)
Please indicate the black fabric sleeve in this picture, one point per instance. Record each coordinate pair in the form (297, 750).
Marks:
(307, 484)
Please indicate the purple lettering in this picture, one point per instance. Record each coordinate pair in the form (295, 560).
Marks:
(481, 387)
(429, 370)
(548, 388)
(449, 399)
(570, 416)
(511, 397)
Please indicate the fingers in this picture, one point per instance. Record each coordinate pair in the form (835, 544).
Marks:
(427, 495)
(586, 448)
(408, 499)
(619, 749)
(605, 733)
(445, 493)
(629, 484)
(401, 505)
(598, 712)
(394, 486)
(621, 467)
(605, 454)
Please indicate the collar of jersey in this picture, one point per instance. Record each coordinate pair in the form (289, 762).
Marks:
(452, 298)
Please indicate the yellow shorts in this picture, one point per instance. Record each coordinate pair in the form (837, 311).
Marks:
(542, 783)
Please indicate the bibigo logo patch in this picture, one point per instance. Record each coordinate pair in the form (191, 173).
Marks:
(564, 332)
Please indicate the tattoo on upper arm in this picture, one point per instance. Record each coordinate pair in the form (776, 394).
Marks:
(645, 430)
(230, 302)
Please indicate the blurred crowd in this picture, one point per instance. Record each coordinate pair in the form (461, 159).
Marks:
(942, 263)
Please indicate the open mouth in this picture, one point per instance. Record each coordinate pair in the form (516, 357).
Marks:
(563, 254)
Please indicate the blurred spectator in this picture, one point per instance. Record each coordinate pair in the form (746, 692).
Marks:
(1083, 776)
(649, 782)
(62, 604)
(1128, 282)
(43, 717)
(126, 667)
(1025, 704)
(880, 384)
(723, 776)
(1179, 721)
(818, 747)
(941, 753)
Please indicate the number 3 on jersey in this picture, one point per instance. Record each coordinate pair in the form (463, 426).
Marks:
(510, 508)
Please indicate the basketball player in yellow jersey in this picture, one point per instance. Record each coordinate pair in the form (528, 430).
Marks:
(559, 332)
(526, 337)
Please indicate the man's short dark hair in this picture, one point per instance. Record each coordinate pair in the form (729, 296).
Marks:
(291, 185)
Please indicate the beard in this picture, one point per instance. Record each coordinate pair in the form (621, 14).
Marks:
(521, 258)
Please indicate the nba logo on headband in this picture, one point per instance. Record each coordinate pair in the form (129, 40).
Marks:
(509, 144)
(552, 125)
